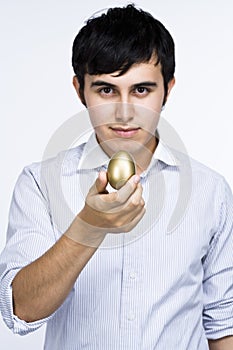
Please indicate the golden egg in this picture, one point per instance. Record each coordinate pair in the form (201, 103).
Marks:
(120, 168)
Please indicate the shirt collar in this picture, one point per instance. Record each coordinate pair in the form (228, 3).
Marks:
(165, 154)
(94, 157)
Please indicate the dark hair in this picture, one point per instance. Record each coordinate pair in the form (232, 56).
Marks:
(116, 40)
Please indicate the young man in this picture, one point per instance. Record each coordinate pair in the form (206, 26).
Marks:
(112, 278)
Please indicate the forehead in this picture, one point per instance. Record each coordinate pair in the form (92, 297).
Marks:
(136, 73)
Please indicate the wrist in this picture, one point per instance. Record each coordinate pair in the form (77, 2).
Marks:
(84, 233)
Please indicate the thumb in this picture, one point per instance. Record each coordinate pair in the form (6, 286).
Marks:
(101, 183)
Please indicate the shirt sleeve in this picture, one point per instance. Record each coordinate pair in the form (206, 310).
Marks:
(218, 270)
(30, 233)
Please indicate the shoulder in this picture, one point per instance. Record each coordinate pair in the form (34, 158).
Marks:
(197, 169)
(67, 160)
(201, 179)
(206, 175)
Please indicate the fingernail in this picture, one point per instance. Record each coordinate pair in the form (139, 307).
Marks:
(136, 179)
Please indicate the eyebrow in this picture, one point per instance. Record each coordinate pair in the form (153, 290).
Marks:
(101, 83)
(105, 83)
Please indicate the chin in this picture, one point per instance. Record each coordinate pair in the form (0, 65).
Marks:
(131, 147)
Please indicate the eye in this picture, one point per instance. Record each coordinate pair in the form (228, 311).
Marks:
(141, 90)
(106, 91)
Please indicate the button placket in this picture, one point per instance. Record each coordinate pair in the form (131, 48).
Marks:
(131, 316)
(133, 275)
(131, 285)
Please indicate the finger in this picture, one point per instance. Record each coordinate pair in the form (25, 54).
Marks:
(135, 201)
(135, 221)
(136, 198)
(132, 206)
(100, 184)
(126, 191)
(120, 197)
(127, 227)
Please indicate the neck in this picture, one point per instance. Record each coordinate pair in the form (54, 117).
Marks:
(143, 156)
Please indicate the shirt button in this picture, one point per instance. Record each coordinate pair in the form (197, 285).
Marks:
(131, 316)
(132, 275)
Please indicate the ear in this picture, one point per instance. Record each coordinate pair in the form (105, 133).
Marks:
(170, 86)
(79, 90)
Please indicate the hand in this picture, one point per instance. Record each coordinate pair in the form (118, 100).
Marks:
(114, 212)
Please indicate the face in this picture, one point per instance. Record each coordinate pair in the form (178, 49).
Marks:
(124, 110)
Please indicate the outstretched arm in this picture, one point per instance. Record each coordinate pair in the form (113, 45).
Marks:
(42, 286)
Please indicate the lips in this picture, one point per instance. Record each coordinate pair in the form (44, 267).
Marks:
(125, 132)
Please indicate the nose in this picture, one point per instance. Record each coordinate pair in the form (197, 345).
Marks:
(124, 111)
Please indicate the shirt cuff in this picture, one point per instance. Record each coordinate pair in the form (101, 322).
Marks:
(15, 324)
(219, 323)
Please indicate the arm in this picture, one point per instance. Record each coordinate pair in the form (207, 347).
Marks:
(225, 343)
(42, 286)
(218, 270)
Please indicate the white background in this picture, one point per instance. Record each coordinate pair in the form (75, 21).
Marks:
(37, 94)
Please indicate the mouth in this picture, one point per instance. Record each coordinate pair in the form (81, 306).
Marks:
(125, 132)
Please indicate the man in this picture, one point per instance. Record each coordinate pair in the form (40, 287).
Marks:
(112, 277)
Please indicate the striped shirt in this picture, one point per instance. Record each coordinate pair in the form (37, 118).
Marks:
(167, 284)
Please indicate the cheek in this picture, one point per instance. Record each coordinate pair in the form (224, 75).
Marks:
(155, 100)
(147, 118)
(150, 126)
(100, 115)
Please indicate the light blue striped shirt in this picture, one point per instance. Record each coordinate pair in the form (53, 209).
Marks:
(166, 285)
